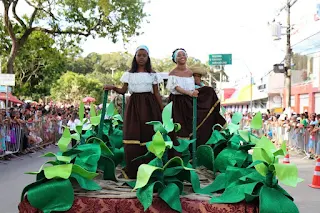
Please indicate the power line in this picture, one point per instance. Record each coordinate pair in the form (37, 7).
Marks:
(305, 39)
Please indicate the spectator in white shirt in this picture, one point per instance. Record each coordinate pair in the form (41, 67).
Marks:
(72, 123)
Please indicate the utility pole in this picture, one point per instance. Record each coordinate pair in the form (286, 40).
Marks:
(288, 57)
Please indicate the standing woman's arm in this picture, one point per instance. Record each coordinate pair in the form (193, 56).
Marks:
(157, 94)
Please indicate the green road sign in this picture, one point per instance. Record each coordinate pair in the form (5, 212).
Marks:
(220, 59)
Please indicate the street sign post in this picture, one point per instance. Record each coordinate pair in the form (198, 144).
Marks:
(7, 80)
(220, 59)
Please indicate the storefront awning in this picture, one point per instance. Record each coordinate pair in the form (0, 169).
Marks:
(243, 95)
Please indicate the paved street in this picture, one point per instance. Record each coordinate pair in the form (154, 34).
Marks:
(13, 180)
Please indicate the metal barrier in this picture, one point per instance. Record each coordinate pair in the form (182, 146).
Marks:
(16, 138)
(297, 138)
(10, 137)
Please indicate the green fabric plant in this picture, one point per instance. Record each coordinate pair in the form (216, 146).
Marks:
(79, 163)
(162, 175)
(228, 148)
(160, 145)
(258, 181)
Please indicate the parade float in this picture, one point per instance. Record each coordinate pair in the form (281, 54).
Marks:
(235, 171)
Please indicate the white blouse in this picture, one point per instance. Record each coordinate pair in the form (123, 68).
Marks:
(140, 81)
(186, 83)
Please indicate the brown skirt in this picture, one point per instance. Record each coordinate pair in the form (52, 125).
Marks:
(208, 114)
(141, 108)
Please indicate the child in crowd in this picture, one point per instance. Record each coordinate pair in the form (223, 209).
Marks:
(312, 131)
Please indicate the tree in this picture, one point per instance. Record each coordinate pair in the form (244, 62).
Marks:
(73, 87)
(72, 18)
(38, 66)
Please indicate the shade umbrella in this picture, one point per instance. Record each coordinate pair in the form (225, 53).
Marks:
(88, 100)
(11, 98)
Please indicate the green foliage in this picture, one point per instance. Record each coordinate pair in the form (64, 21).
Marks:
(241, 181)
(72, 87)
(80, 163)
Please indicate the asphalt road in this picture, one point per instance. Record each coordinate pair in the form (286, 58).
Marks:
(13, 180)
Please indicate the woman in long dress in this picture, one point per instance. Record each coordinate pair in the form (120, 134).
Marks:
(182, 87)
(144, 105)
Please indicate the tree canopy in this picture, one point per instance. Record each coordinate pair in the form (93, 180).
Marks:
(76, 19)
(72, 87)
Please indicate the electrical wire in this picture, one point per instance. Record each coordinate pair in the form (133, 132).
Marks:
(306, 39)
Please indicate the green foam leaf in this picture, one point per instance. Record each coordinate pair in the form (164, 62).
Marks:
(64, 140)
(144, 173)
(287, 174)
(256, 122)
(59, 196)
(236, 118)
(58, 171)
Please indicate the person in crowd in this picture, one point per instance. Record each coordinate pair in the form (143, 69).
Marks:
(312, 140)
(198, 73)
(144, 105)
(72, 123)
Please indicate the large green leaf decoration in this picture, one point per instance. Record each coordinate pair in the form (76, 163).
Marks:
(75, 136)
(158, 145)
(171, 195)
(215, 138)
(84, 173)
(233, 128)
(65, 159)
(287, 174)
(144, 173)
(236, 118)
(78, 129)
(116, 138)
(52, 196)
(81, 111)
(176, 161)
(88, 134)
(267, 145)
(236, 193)
(109, 171)
(183, 144)
(111, 109)
(104, 149)
(58, 171)
(157, 126)
(86, 184)
(92, 110)
(88, 158)
(245, 135)
(95, 120)
(225, 159)
(167, 118)
(64, 140)
(260, 154)
(256, 122)
(172, 171)
(282, 151)
(205, 157)
(273, 201)
(145, 194)
(41, 168)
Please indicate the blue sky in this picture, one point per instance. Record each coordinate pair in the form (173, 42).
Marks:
(203, 27)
